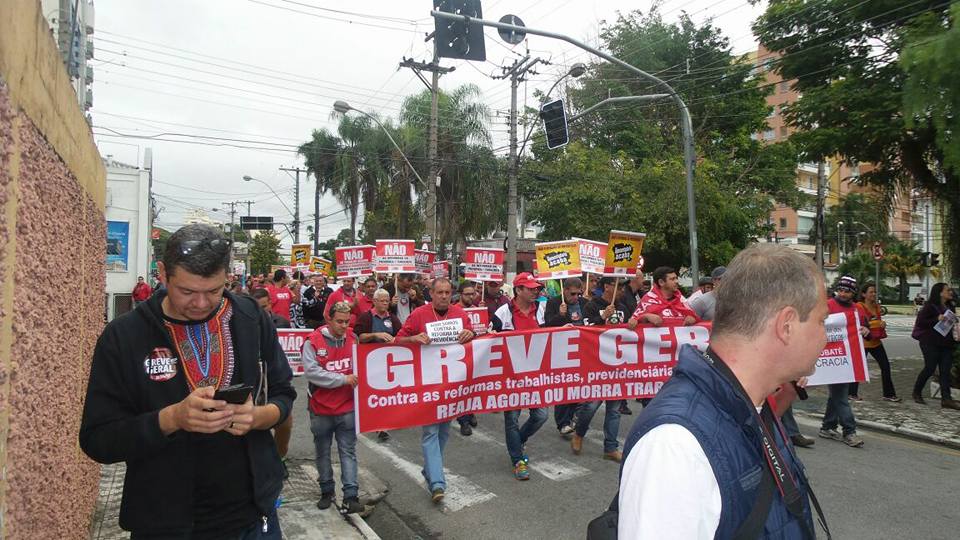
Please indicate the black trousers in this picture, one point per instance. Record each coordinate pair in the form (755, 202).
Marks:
(935, 357)
(880, 355)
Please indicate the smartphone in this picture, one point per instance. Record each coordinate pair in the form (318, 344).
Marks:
(236, 394)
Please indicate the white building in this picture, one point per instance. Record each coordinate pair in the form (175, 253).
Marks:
(128, 232)
(72, 30)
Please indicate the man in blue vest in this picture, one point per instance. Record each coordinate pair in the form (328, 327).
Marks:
(699, 457)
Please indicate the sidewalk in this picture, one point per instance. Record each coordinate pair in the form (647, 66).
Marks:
(299, 515)
(924, 422)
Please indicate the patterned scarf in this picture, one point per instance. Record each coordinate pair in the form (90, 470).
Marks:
(206, 348)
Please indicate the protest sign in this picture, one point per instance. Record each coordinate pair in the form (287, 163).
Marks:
(479, 319)
(843, 359)
(424, 260)
(558, 260)
(300, 255)
(407, 385)
(623, 254)
(291, 340)
(395, 256)
(441, 269)
(444, 332)
(593, 255)
(483, 264)
(354, 261)
(321, 266)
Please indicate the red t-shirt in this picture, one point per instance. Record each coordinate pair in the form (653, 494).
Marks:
(142, 292)
(339, 400)
(417, 321)
(280, 299)
(525, 321)
(364, 305)
(340, 296)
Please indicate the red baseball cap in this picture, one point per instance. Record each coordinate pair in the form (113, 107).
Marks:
(525, 279)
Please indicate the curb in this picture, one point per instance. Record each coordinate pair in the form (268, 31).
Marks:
(896, 430)
(361, 525)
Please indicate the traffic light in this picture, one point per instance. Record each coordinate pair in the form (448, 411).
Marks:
(457, 39)
(554, 118)
(934, 259)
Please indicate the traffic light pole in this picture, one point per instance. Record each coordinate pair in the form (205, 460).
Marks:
(685, 121)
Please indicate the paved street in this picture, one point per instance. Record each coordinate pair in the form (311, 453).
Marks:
(893, 488)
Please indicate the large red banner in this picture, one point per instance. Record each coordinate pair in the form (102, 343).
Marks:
(407, 385)
(291, 339)
(402, 386)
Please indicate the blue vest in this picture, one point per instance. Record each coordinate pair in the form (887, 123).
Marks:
(699, 398)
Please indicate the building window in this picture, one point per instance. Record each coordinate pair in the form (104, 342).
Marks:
(783, 223)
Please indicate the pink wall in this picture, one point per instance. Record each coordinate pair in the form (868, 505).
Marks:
(58, 310)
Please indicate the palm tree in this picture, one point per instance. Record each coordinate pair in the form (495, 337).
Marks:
(903, 260)
(320, 153)
(462, 129)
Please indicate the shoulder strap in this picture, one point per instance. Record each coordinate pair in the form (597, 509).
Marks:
(753, 526)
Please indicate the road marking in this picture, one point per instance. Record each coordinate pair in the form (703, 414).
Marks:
(460, 492)
(554, 468)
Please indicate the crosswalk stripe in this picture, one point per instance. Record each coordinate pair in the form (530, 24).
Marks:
(554, 468)
(460, 492)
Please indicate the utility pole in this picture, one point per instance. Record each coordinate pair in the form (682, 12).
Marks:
(433, 177)
(296, 202)
(233, 213)
(516, 73)
(819, 225)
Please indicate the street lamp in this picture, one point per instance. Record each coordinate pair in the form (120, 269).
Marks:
(296, 217)
(839, 244)
(343, 107)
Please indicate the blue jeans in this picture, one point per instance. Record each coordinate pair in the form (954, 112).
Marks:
(324, 429)
(838, 409)
(611, 422)
(563, 414)
(789, 422)
(434, 440)
(518, 436)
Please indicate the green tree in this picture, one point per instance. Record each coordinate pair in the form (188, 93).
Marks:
(264, 252)
(855, 221)
(320, 154)
(879, 84)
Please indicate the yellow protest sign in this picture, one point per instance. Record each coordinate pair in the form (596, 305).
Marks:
(300, 255)
(321, 266)
(558, 260)
(623, 253)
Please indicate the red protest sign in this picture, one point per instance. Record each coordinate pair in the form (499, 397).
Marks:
(424, 260)
(483, 264)
(354, 261)
(593, 255)
(479, 319)
(513, 370)
(291, 340)
(441, 269)
(395, 256)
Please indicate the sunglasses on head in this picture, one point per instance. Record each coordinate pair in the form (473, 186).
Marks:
(220, 245)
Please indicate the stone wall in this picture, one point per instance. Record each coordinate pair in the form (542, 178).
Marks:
(52, 279)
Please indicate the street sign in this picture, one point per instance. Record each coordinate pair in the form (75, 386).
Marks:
(512, 37)
(877, 251)
(256, 223)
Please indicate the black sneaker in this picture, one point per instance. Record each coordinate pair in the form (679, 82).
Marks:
(624, 409)
(465, 429)
(473, 420)
(326, 499)
(353, 506)
(383, 436)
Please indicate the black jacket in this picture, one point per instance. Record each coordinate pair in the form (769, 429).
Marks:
(594, 312)
(121, 414)
(627, 301)
(552, 314)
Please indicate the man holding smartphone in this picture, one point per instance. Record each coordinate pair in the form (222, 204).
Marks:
(197, 466)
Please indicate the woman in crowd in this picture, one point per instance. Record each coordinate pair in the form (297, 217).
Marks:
(873, 344)
(937, 348)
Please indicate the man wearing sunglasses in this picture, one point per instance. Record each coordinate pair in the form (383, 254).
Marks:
(198, 466)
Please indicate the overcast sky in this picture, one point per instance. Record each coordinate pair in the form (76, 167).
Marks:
(265, 73)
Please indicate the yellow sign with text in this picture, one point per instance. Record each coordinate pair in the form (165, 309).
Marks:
(623, 254)
(321, 266)
(300, 255)
(558, 260)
